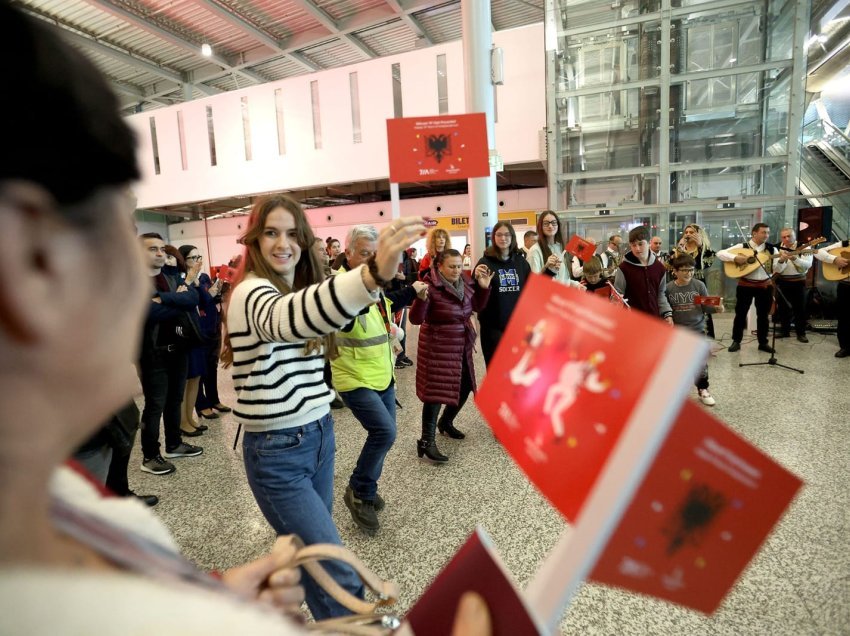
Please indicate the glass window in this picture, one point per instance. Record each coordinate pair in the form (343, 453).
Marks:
(278, 107)
(211, 136)
(442, 85)
(354, 90)
(398, 110)
(317, 121)
(154, 145)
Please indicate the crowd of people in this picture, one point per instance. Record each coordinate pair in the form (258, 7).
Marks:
(301, 323)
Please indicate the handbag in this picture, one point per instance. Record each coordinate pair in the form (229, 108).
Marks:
(188, 332)
(365, 621)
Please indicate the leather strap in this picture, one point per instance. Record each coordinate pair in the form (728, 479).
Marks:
(309, 558)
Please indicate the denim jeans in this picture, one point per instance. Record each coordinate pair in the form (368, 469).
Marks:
(291, 471)
(375, 410)
(163, 375)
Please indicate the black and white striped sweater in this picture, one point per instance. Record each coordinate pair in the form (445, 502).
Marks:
(277, 384)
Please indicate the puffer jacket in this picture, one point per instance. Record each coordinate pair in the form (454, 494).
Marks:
(445, 338)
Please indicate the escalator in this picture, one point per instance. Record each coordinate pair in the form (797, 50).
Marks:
(825, 170)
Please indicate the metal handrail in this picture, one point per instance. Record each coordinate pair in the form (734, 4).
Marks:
(836, 129)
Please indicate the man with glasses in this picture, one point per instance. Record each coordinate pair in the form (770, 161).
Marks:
(363, 374)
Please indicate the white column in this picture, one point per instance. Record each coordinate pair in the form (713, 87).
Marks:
(477, 41)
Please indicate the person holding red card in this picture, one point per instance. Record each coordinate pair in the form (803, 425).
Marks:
(445, 373)
(547, 256)
(683, 295)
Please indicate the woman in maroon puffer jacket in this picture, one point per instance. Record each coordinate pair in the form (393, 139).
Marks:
(445, 373)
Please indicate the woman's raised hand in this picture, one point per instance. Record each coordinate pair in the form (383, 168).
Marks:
(393, 240)
(483, 275)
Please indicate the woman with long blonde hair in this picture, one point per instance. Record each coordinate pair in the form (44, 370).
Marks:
(281, 318)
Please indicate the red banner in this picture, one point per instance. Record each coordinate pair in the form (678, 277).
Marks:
(441, 148)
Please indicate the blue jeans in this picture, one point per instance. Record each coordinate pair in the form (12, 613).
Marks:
(291, 472)
(375, 410)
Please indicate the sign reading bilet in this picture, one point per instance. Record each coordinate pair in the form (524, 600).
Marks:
(441, 148)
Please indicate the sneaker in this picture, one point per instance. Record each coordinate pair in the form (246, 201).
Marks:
(337, 402)
(362, 511)
(157, 466)
(379, 504)
(399, 364)
(766, 348)
(148, 500)
(184, 450)
(735, 346)
(407, 361)
(705, 397)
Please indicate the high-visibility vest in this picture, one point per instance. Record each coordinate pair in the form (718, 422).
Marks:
(366, 357)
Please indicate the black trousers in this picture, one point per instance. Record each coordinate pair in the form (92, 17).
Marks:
(489, 343)
(163, 375)
(430, 410)
(795, 292)
(745, 296)
(843, 310)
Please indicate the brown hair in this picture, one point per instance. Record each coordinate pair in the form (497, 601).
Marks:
(494, 252)
(639, 233)
(308, 270)
(173, 251)
(431, 240)
(682, 260)
(591, 267)
(545, 250)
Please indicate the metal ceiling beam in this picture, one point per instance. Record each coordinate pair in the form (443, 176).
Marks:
(236, 20)
(121, 13)
(330, 24)
(88, 42)
(365, 20)
(410, 21)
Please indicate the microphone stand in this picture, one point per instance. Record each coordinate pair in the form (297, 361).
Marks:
(772, 361)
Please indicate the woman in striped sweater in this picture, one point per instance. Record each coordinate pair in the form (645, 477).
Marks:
(281, 317)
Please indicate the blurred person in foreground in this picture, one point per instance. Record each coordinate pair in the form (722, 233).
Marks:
(71, 559)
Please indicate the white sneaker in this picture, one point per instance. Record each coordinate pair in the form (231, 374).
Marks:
(705, 397)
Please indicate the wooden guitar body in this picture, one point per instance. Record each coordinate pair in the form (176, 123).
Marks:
(833, 272)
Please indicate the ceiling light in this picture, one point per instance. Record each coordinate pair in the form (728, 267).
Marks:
(206, 50)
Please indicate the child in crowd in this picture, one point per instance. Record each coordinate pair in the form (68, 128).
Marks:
(682, 294)
(592, 275)
(641, 278)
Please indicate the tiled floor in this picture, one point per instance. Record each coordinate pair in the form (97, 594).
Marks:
(798, 584)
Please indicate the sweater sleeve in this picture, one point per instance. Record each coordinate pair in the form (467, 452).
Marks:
(664, 308)
(535, 260)
(419, 309)
(314, 311)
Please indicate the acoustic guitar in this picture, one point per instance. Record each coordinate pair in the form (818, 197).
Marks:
(834, 272)
(756, 259)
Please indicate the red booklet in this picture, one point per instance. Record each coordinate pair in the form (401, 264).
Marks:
(704, 507)
(475, 567)
(711, 301)
(558, 393)
(580, 247)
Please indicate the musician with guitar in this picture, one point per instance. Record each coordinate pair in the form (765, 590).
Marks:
(836, 266)
(791, 269)
(754, 285)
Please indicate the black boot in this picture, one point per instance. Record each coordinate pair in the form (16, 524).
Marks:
(448, 428)
(427, 446)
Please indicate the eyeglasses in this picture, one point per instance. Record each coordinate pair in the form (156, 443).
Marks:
(195, 258)
(549, 224)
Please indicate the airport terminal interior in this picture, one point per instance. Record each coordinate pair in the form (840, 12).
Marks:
(615, 115)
